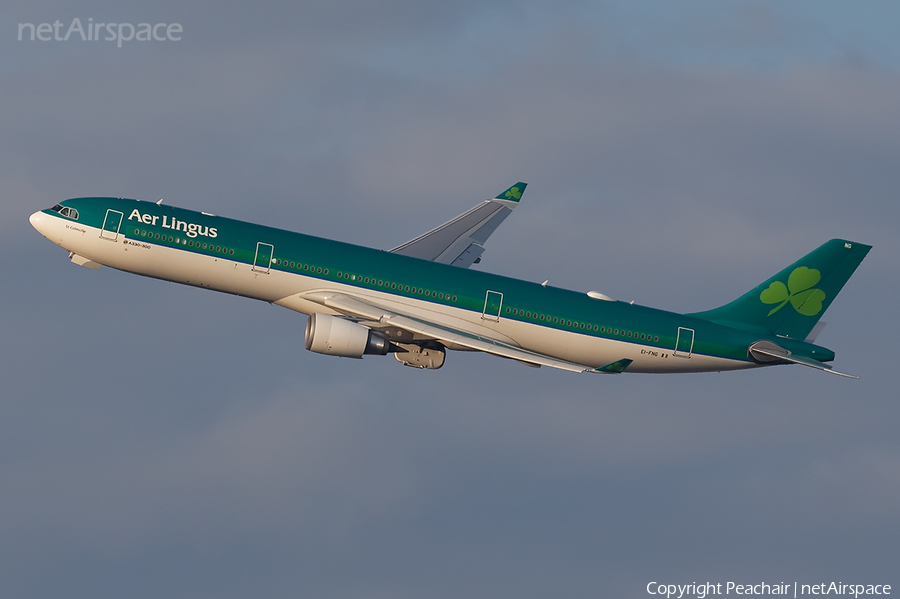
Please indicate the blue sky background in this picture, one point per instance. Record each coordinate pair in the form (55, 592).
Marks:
(163, 441)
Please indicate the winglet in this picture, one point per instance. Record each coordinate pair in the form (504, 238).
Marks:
(617, 367)
(514, 193)
(460, 241)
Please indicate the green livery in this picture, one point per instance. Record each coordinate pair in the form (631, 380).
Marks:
(792, 302)
(421, 299)
(617, 367)
(514, 193)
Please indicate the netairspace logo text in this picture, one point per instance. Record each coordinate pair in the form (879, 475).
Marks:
(702, 590)
(108, 32)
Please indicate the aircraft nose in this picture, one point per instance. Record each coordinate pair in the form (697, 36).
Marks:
(41, 222)
(37, 220)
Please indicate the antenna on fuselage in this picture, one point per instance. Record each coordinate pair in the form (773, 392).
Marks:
(159, 203)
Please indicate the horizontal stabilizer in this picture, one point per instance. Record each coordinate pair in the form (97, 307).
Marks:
(766, 351)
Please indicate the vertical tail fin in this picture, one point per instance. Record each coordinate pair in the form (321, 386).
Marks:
(791, 303)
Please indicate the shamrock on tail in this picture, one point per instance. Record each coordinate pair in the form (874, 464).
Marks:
(513, 193)
(799, 292)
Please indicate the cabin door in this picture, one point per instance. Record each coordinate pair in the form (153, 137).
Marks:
(111, 225)
(262, 261)
(684, 342)
(493, 303)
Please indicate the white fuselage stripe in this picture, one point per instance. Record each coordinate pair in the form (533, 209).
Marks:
(183, 265)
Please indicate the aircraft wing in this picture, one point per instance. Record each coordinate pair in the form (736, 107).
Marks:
(446, 329)
(460, 242)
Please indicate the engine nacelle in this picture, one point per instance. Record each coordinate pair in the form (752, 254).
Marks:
(333, 336)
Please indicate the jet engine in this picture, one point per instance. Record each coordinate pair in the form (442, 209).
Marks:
(333, 336)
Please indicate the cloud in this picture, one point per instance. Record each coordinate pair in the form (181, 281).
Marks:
(159, 440)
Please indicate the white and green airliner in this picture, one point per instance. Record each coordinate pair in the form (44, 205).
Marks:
(421, 299)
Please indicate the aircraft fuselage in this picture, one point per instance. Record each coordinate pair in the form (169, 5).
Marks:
(288, 268)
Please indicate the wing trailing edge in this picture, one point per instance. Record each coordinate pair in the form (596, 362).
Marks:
(460, 241)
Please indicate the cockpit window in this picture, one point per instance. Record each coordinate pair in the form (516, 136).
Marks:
(66, 211)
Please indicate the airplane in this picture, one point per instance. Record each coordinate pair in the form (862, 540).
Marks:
(421, 299)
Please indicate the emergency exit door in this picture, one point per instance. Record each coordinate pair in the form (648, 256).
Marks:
(493, 303)
(111, 224)
(262, 261)
(684, 342)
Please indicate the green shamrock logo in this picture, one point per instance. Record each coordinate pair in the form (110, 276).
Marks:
(799, 292)
(513, 193)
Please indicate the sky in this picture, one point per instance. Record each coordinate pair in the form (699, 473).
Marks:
(164, 441)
